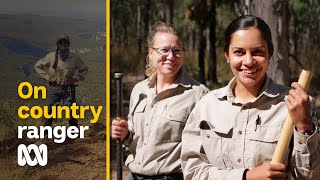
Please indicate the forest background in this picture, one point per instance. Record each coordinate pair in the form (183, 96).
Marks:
(295, 26)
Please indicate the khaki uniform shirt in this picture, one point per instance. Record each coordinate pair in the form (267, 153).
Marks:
(72, 67)
(224, 137)
(156, 122)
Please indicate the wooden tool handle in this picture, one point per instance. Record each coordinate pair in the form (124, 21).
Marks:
(287, 130)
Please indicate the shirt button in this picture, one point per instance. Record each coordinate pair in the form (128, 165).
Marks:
(208, 135)
(240, 132)
(147, 124)
(139, 163)
(300, 142)
(239, 160)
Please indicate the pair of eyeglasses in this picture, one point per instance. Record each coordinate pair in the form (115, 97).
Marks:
(177, 52)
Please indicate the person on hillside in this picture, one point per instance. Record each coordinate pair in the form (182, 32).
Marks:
(233, 131)
(62, 69)
(159, 108)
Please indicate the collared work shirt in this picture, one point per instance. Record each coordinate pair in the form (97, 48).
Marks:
(72, 67)
(156, 122)
(224, 137)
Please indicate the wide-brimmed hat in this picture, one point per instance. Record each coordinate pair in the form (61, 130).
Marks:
(63, 37)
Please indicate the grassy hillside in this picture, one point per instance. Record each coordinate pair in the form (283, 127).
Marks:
(25, 38)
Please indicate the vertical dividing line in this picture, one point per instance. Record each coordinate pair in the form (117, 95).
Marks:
(108, 167)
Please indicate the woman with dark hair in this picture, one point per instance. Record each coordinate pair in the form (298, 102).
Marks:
(62, 69)
(159, 108)
(233, 131)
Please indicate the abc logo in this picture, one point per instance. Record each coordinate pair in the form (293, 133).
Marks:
(41, 155)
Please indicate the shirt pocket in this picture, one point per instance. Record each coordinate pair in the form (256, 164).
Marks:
(137, 115)
(264, 141)
(171, 126)
(212, 145)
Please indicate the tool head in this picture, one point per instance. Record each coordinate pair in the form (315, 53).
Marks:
(118, 75)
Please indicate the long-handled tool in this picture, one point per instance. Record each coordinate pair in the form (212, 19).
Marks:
(287, 130)
(118, 78)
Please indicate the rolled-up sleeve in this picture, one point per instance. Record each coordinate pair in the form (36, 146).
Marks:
(306, 156)
(82, 69)
(41, 67)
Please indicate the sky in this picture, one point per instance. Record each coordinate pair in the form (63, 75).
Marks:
(70, 8)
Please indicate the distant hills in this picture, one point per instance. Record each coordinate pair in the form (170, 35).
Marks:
(22, 47)
(42, 31)
(25, 38)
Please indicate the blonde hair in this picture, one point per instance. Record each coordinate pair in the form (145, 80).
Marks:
(158, 26)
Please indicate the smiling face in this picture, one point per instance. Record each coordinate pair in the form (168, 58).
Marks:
(169, 65)
(248, 57)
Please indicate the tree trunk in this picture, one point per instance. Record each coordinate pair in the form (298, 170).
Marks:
(146, 20)
(193, 37)
(125, 36)
(276, 14)
(200, 16)
(212, 74)
(112, 32)
(170, 11)
(146, 16)
(201, 55)
(139, 27)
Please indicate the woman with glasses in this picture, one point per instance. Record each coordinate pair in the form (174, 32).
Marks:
(159, 108)
(233, 131)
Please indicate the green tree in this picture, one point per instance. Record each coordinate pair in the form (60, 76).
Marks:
(199, 12)
(212, 73)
